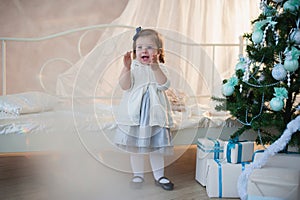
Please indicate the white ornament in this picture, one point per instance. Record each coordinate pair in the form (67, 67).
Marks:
(291, 65)
(278, 72)
(288, 79)
(261, 78)
(246, 74)
(295, 36)
(276, 104)
(227, 89)
(241, 88)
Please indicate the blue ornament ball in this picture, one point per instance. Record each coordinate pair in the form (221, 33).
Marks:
(278, 72)
(257, 36)
(288, 5)
(240, 66)
(227, 89)
(276, 104)
(291, 65)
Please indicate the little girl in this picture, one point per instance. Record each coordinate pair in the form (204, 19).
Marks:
(144, 118)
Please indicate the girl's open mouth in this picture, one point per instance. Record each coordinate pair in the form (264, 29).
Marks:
(145, 58)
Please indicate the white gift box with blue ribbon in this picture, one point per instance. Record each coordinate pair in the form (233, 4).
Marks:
(238, 151)
(278, 179)
(290, 160)
(222, 178)
(273, 183)
(207, 148)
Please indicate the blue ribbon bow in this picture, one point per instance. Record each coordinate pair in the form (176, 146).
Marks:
(137, 31)
(231, 145)
(217, 148)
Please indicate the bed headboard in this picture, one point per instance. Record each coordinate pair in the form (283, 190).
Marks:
(202, 75)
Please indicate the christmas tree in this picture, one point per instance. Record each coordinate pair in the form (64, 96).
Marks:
(263, 94)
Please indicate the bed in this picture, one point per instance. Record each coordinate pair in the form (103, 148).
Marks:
(37, 121)
(54, 126)
(68, 113)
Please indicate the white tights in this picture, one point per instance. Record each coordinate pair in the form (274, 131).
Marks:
(156, 161)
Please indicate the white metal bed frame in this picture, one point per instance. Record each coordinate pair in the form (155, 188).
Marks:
(86, 29)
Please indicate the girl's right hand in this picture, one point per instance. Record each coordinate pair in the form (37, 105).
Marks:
(127, 60)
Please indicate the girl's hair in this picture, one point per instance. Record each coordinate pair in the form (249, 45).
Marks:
(157, 39)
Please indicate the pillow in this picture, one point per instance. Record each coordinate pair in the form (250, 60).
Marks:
(177, 99)
(28, 102)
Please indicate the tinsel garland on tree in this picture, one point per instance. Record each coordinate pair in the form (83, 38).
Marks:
(263, 94)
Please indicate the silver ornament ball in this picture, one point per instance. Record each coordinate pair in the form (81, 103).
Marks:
(295, 36)
(278, 72)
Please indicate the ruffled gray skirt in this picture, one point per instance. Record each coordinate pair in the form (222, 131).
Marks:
(144, 138)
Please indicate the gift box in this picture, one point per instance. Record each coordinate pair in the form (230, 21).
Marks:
(238, 151)
(207, 148)
(274, 183)
(282, 160)
(222, 178)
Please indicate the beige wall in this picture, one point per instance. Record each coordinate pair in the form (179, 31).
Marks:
(37, 18)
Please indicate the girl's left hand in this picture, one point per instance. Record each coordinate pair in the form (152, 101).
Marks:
(154, 63)
(154, 58)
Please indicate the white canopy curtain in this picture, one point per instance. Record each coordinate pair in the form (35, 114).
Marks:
(185, 24)
(205, 21)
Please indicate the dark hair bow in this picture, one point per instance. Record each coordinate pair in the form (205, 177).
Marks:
(137, 30)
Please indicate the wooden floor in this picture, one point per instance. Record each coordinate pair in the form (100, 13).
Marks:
(65, 176)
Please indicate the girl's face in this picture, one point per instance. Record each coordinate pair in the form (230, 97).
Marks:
(145, 49)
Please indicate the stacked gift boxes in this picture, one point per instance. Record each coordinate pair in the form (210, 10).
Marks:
(279, 178)
(207, 148)
(220, 163)
(222, 178)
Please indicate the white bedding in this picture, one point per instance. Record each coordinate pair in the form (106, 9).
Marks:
(87, 123)
(99, 117)
(25, 103)
(45, 122)
(54, 130)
